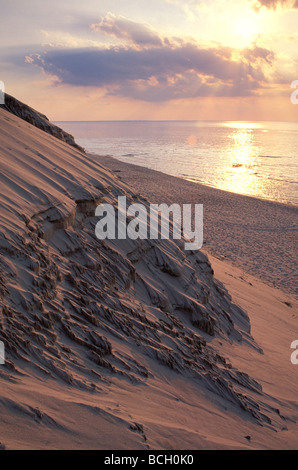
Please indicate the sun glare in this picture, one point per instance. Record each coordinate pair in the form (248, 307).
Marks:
(246, 27)
(242, 125)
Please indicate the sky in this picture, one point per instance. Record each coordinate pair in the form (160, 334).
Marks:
(151, 60)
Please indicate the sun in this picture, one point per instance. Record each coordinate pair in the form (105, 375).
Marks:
(246, 28)
(239, 26)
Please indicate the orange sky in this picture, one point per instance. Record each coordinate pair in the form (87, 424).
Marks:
(164, 59)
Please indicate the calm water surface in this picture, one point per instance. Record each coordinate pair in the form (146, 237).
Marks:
(253, 158)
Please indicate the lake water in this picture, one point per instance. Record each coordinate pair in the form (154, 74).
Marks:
(254, 158)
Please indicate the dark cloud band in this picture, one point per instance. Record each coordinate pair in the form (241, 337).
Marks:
(273, 4)
(160, 73)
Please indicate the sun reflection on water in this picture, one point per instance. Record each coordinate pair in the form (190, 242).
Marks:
(253, 158)
(242, 125)
(240, 170)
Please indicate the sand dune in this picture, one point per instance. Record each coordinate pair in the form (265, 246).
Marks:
(28, 114)
(125, 344)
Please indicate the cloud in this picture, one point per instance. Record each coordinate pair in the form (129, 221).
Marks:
(190, 8)
(160, 74)
(273, 4)
(123, 28)
(256, 53)
(155, 69)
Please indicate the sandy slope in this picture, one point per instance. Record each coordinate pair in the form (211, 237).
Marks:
(34, 117)
(259, 236)
(126, 344)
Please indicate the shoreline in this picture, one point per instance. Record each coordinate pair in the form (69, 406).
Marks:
(199, 183)
(259, 198)
(256, 235)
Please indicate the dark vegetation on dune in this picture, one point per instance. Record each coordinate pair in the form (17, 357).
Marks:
(37, 119)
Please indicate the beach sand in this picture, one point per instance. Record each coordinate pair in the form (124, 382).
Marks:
(138, 344)
(256, 235)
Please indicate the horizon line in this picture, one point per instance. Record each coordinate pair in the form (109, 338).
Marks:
(177, 120)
